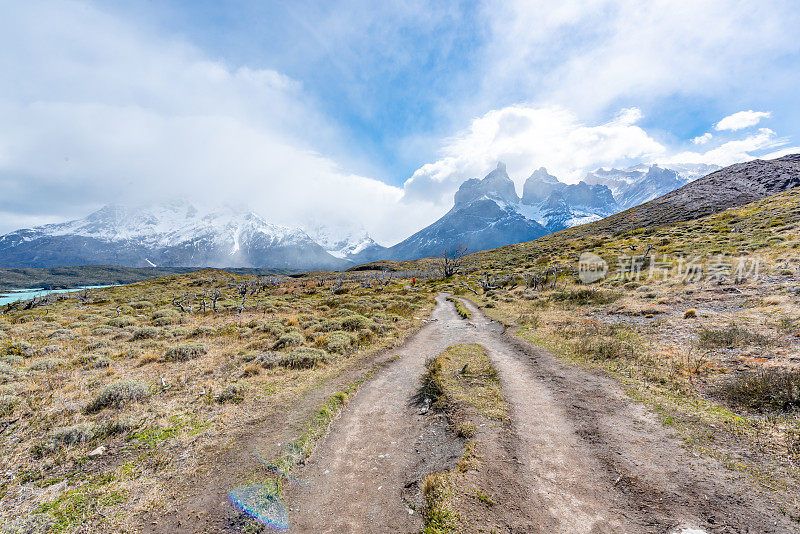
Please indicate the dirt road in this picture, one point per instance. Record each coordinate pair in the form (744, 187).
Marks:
(590, 460)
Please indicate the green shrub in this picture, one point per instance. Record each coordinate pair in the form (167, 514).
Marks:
(292, 339)
(202, 331)
(233, 393)
(299, 358)
(304, 358)
(121, 322)
(340, 342)
(166, 321)
(165, 312)
(142, 305)
(12, 360)
(329, 325)
(185, 352)
(7, 373)
(93, 361)
(584, 296)
(64, 437)
(117, 395)
(146, 332)
(274, 327)
(19, 348)
(7, 404)
(46, 364)
(353, 323)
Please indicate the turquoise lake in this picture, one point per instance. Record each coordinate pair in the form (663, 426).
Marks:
(7, 296)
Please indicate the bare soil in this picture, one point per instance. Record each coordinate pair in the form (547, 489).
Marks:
(585, 458)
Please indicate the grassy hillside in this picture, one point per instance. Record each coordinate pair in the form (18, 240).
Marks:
(705, 329)
(109, 403)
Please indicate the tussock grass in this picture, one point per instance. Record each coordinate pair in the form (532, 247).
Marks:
(731, 336)
(764, 390)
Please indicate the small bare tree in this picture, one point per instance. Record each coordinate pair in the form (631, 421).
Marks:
(451, 260)
(214, 295)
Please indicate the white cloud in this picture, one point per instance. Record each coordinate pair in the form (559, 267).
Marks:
(732, 151)
(742, 120)
(526, 138)
(589, 55)
(93, 110)
(702, 139)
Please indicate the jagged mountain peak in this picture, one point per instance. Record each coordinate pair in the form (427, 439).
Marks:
(496, 186)
(539, 186)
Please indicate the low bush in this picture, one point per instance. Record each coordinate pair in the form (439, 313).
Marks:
(146, 332)
(233, 393)
(166, 321)
(19, 348)
(731, 336)
(46, 364)
(584, 296)
(329, 325)
(121, 322)
(93, 361)
(771, 389)
(185, 352)
(292, 339)
(305, 358)
(202, 331)
(65, 437)
(117, 395)
(353, 323)
(7, 373)
(339, 342)
(299, 358)
(7, 404)
(165, 313)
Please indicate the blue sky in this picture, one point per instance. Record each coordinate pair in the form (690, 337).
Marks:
(370, 114)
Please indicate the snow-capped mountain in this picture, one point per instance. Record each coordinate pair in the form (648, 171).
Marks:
(344, 241)
(641, 183)
(556, 205)
(486, 214)
(172, 234)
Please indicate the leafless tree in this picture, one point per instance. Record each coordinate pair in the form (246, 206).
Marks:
(451, 260)
(182, 303)
(244, 288)
(214, 295)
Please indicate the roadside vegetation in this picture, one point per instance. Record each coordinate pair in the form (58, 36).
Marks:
(461, 310)
(109, 397)
(465, 385)
(716, 355)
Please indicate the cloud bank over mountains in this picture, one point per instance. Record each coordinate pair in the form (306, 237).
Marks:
(97, 108)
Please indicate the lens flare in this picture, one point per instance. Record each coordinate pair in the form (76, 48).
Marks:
(273, 469)
(261, 502)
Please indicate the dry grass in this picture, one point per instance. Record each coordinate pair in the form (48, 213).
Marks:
(128, 370)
